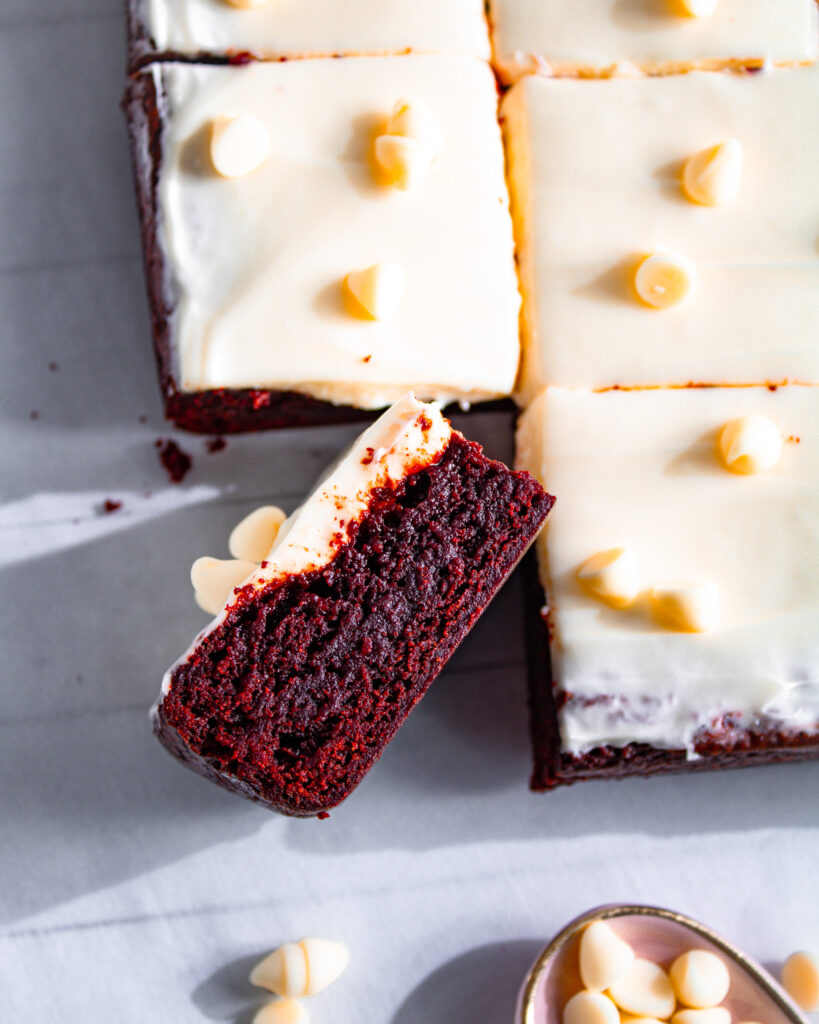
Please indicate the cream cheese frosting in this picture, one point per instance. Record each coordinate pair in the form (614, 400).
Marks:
(595, 169)
(571, 36)
(640, 470)
(255, 264)
(317, 27)
(408, 437)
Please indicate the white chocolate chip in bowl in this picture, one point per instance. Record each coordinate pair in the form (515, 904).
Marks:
(658, 936)
(612, 577)
(712, 176)
(239, 144)
(590, 1008)
(215, 579)
(664, 279)
(750, 444)
(700, 980)
(708, 1015)
(252, 538)
(377, 290)
(644, 990)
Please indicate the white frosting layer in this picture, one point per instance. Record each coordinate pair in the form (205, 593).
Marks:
(571, 35)
(318, 27)
(595, 171)
(639, 469)
(257, 263)
(406, 438)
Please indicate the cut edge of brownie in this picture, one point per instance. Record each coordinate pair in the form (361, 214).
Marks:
(292, 696)
(736, 747)
(214, 410)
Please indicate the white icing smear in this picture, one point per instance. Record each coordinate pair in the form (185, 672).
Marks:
(640, 470)
(595, 175)
(571, 34)
(406, 438)
(319, 27)
(256, 264)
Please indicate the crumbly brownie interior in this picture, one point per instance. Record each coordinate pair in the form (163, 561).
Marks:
(293, 696)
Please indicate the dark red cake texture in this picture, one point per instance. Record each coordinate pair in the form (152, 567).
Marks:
(727, 744)
(291, 699)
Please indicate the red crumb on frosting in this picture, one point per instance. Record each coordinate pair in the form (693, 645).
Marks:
(177, 462)
(368, 458)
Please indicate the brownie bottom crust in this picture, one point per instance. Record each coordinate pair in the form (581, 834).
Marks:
(293, 696)
(729, 744)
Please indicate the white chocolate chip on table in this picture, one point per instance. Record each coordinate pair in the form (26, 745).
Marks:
(712, 176)
(800, 978)
(612, 577)
(238, 145)
(302, 968)
(282, 1011)
(253, 537)
(214, 580)
(377, 290)
(664, 279)
(750, 444)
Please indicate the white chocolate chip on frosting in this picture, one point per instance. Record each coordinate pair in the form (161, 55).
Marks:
(699, 8)
(712, 176)
(301, 968)
(604, 956)
(644, 990)
(590, 1008)
(687, 607)
(664, 279)
(750, 444)
(377, 289)
(413, 119)
(404, 161)
(247, 5)
(612, 577)
(253, 537)
(282, 1011)
(238, 145)
(700, 979)
(214, 580)
(800, 978)
(709, 1015)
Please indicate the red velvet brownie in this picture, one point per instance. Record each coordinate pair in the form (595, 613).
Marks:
(291, 694)
(681, 627)
(321, 236)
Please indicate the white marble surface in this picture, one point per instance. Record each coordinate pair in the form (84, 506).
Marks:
(131, 889)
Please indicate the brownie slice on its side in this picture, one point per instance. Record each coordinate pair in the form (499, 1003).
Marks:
(292, 694)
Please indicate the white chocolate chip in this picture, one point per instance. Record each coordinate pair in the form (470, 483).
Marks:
(253, 538)
(700, 979)
(404, 161)
(664, 279)
(750, 444)
(709, 1015)
(413, 119)
(712, 176)
(590, 1008)
(378, 289)
(301, 968)
(282, 1011)
(700, 8)
(238, 145)
(644, 990)
(800, 978)
(687, 607)
(604, 956)
(214, 580)
(612, 577)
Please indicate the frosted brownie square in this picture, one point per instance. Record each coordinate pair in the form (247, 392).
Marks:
(594, 37)
(249, 276)
(681, 568)
(226, 29)
(595, 173)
